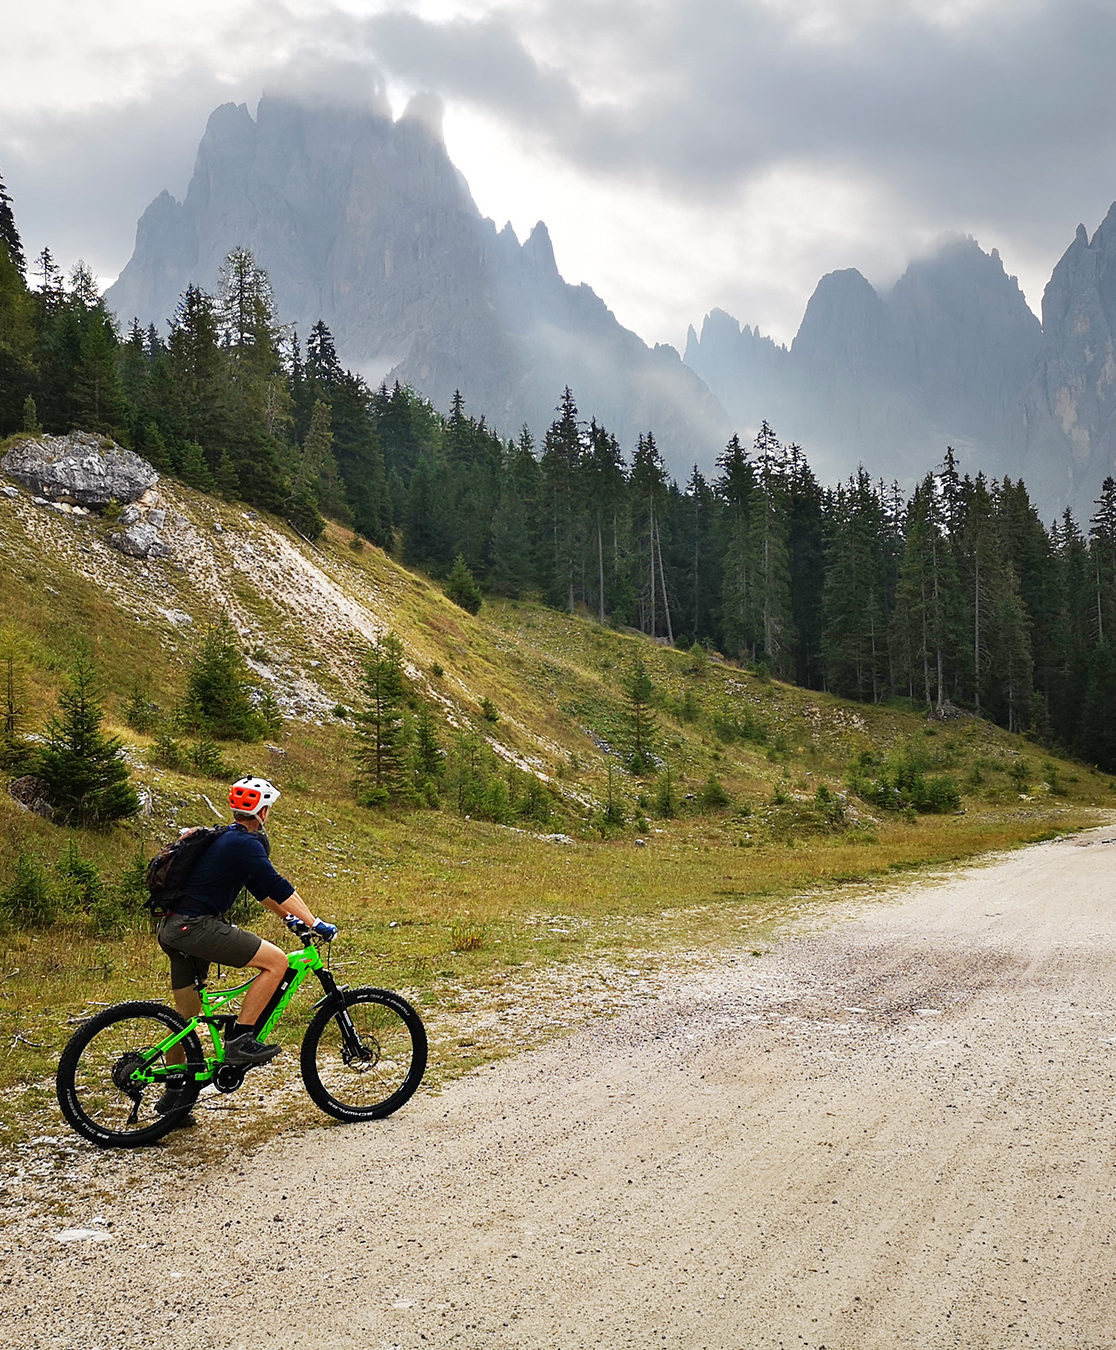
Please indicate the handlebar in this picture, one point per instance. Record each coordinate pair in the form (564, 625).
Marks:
(299, 929)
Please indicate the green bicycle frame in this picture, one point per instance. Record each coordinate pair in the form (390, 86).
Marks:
(299, 966)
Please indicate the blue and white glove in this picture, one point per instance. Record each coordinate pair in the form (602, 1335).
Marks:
(295, 924)
(328, 931)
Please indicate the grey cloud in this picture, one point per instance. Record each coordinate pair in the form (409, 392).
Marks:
(80, 181)
(988, 120)
(1001, 125)
(483, 61)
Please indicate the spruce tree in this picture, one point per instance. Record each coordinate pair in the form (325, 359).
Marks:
(736, 492)
(461, 586)
(9, 234)
(16, 754)
(380, 747)
(639, 691)
(562, 457)
(219, 700)
(648, 492)
(17, 325)
(85, 780)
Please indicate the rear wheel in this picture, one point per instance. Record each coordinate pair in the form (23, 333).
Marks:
(111, 1078)
(363, 1058)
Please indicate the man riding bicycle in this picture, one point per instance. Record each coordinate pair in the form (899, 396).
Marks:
(197, 931)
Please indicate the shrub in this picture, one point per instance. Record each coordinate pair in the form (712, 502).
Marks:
(33, 898)
(900, 784)
(665, 805)
(167, 752)
(221, 700)
(139, 711)
(713, 796)
(205, 758)
(738, 724)
(84, 887)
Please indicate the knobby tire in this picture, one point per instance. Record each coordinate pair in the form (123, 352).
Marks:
(376, 1075)
(95, 1091)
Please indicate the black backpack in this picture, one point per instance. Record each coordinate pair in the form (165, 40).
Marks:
(170, 869)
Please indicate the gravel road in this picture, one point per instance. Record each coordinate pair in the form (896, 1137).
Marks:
(894, 1131)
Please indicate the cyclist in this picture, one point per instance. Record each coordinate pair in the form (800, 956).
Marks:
(197, 932)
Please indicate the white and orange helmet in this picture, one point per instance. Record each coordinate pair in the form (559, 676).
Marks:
(250, 795)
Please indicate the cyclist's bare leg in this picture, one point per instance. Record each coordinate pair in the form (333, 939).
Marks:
(189, 1005)
(272, 963)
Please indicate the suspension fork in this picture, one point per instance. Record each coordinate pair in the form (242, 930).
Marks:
(334, 997)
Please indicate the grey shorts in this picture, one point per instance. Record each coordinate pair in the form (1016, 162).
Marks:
(192, 943)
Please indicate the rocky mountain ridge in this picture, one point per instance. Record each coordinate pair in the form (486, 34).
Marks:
(950, 355)
(364, 222)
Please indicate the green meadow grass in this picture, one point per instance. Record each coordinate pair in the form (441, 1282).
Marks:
(502, 936)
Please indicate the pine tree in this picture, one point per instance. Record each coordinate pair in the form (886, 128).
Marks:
(647, 487)
(770, 616)
(15, 751)
(461, 586)
(190, 389)
(259, 404)
(9, 234)
(428, 757)
(17, 324)
(219, 689)
(701, 564)
(854, 641)
(604, 488)
(805, 507)
(926, 620)
(380, 749)
(736, 491)
(639, 692)
(561, 466)
(513, 570)
(85, 780)
(98, 399)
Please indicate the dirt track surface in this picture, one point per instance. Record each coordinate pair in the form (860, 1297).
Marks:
(895, 1131)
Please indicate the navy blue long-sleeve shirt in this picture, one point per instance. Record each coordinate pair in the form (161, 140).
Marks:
(235, 859)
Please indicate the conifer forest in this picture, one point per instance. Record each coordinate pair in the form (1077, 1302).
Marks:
(955, 595)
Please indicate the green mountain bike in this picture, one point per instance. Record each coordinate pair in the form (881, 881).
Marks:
(363, 1056)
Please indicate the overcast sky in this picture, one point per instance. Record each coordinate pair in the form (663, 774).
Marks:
(684, 154)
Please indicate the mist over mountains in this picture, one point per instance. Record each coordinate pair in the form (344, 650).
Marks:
(950, 355)
(363, 221)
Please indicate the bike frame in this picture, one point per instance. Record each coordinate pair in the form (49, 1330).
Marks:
(300, 964)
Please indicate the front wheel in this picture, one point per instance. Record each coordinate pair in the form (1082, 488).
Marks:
(113, 1082)
(364, 1056)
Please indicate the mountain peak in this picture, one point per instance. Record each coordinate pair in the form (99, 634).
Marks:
(539, 250)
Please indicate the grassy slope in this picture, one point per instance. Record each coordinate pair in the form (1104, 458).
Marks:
(501, 935)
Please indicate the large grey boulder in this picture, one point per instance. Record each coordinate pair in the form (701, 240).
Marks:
(79, 467)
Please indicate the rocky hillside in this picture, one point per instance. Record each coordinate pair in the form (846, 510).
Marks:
(137, 585)
(890, 379)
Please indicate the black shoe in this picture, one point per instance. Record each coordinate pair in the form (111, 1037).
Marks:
(173, 1099)
(245, 1049)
